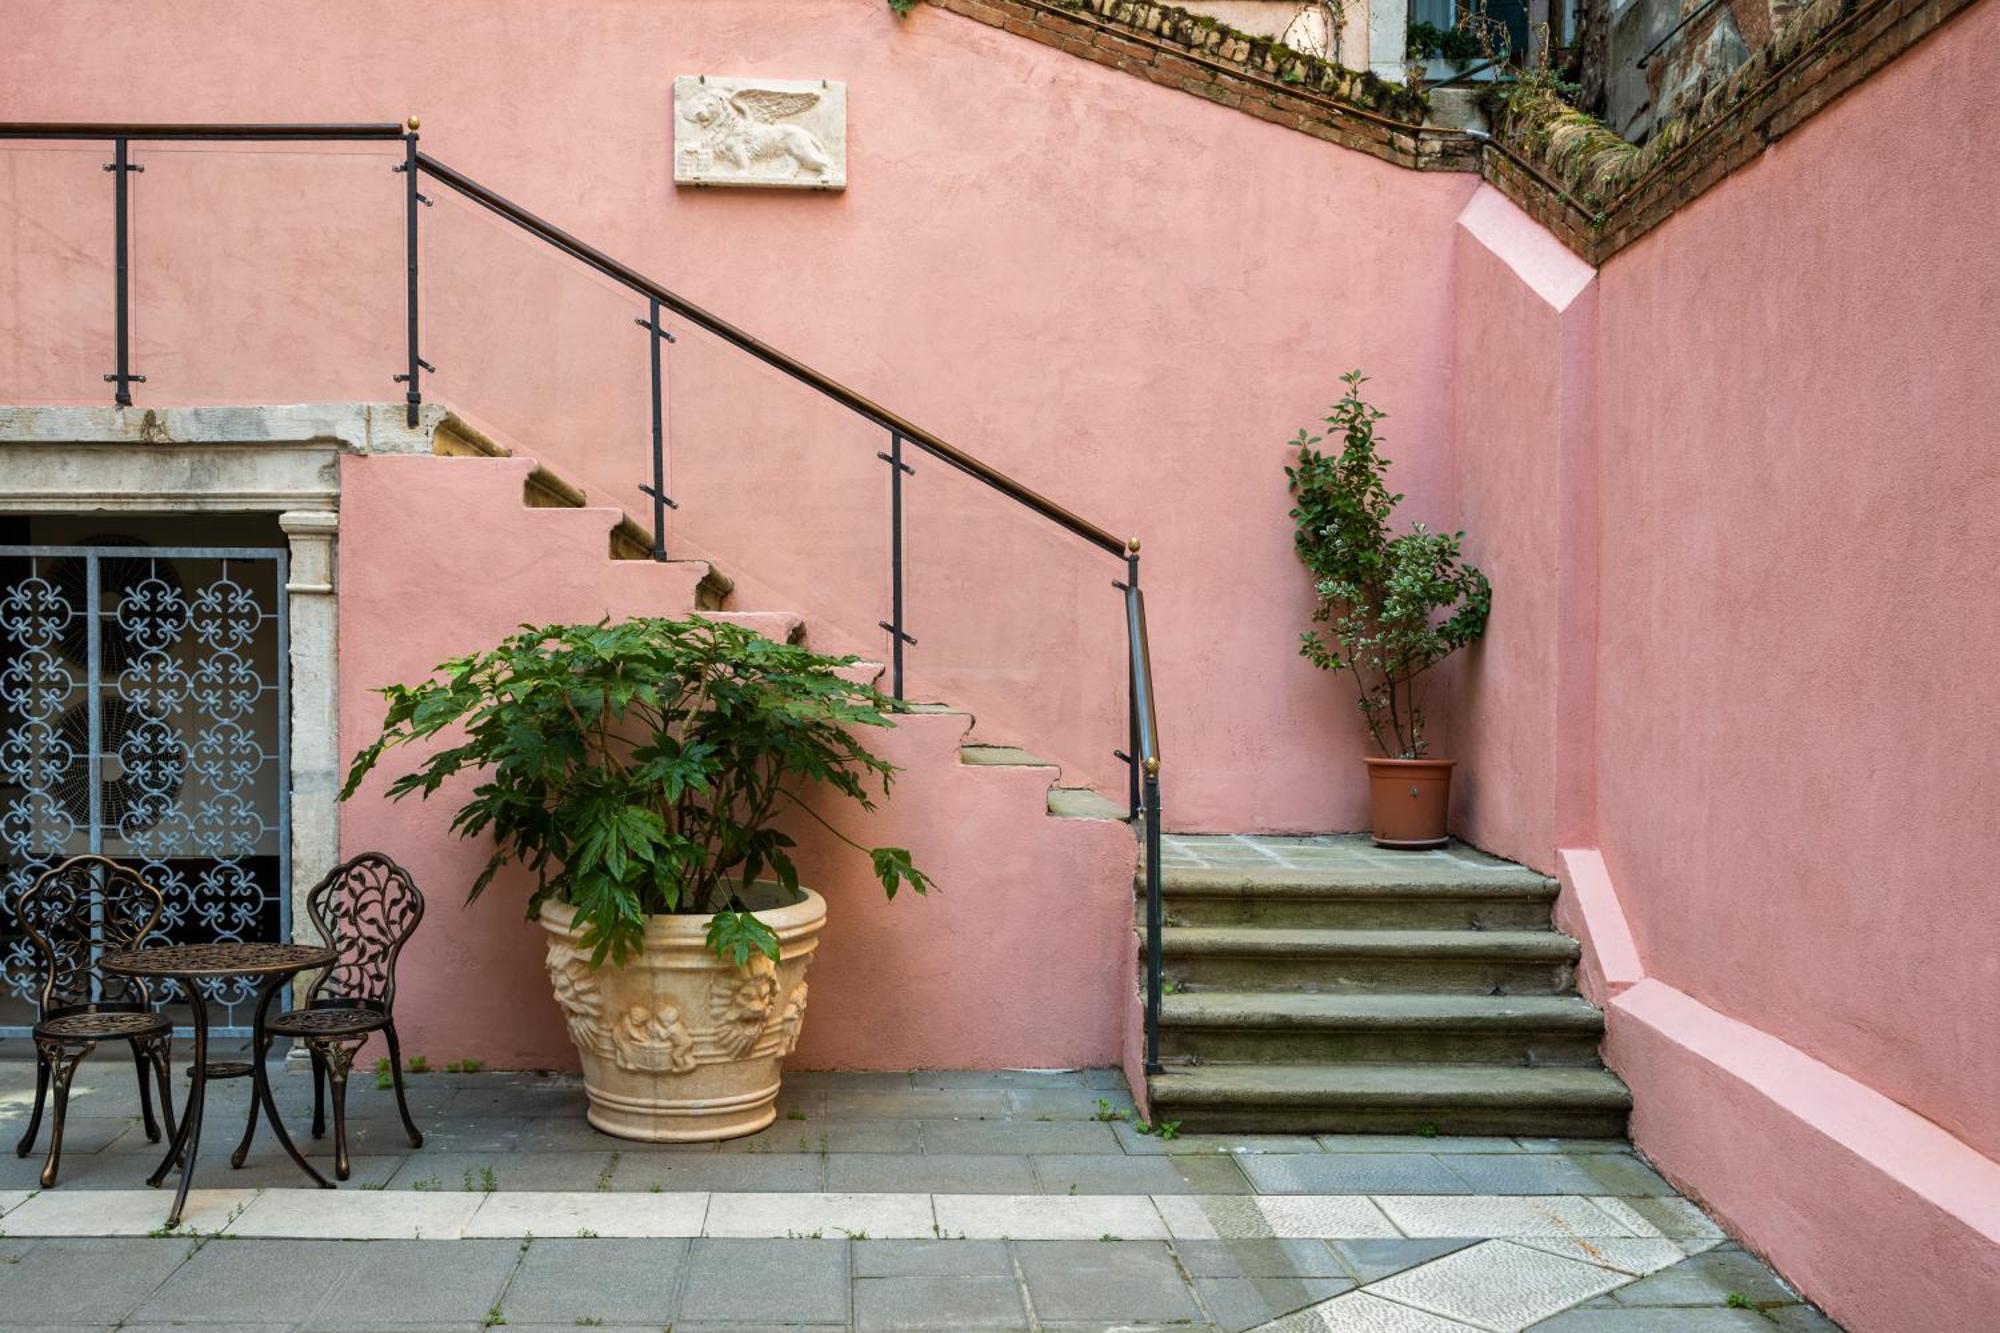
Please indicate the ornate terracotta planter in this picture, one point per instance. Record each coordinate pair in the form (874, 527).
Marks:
(1411, 800)
(678, 1046)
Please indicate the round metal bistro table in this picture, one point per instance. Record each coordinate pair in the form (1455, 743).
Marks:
(272, 965)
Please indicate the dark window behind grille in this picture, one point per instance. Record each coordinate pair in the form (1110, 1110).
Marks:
(143, 706)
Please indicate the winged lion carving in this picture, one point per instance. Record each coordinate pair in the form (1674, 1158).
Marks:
(747, 128)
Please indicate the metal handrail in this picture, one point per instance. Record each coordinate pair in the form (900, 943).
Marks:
(770, 356)
(1143, 755)
(151, 133)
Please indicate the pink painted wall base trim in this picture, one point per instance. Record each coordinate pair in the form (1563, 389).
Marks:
(1588, 910)
(1883, 1218)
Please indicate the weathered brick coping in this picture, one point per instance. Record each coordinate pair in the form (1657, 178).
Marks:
(1168, 46)
(360, 1214)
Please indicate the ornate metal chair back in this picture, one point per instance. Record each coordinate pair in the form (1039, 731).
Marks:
(366, 909)
(76, 911)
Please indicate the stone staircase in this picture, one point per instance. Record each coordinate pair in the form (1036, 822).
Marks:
(1323, 985)
(543, 488)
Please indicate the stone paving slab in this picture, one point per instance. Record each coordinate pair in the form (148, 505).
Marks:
(929, 1200)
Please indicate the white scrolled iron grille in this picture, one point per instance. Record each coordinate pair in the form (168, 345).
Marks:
(143, 716)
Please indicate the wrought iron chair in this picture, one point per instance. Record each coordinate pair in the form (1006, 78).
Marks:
(365, 909)
(71, 914)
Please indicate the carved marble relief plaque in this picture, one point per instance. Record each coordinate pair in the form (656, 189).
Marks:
(781, 134)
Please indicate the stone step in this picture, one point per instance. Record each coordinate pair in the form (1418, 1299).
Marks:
(1478, 962)
(1085, 803)
(1391, 1099)
(1275, 1027)
(1501, 898)
(1002, 756)
(545, 489)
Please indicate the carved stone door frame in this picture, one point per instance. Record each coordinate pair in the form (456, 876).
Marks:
(246, 460)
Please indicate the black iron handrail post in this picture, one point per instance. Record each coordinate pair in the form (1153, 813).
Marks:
(1146, 750)
(898, 636)
(662, 502)
(413, 394)
(1131, 752)
(1155, 916)
(121, 167)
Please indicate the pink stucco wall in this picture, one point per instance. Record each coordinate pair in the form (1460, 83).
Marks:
(1125, 296)
(1801, 519)
(1739, 497)
(1523, 459)
(438, 556)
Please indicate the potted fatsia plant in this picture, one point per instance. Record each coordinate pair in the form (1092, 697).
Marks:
(639, 770)
(1392, 606)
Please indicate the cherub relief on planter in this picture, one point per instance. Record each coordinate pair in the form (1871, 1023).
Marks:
(653, 1041)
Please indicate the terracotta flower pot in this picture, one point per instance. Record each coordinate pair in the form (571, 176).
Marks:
(677, 1045)
(1412, 801)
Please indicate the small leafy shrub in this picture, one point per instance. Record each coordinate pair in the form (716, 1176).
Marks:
(1427, 41)
(1394, 606)
(902, 7)
(639, 768)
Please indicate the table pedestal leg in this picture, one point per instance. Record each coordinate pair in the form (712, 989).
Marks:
(189, 1138)
(260, 1081)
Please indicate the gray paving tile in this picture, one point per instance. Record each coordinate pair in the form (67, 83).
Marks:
(782, 1281)
(1018, 1136)
(266, 1168)
(514, 1325)
(684, 1326)
(932, 1258)
(1557, 1173)
(1066, 1103)
(1710, 1279)
(252, 1327)
(1800, 1319)
(97, 1281)
(524, 1100)
(23, 1173)
(617, 1281)
(403, 1282)
(732, 1172)
(1572, 1146)
(1352, 1173)
(1123, 1281)
(823, 1080)
(1188, 1145)
(931, 1303)
(1238, 1303)
(1658, 1320)
(228, 1279)
(838, 1136)
(926, 1103)
(82, 1135)
(1419, 1143)
(1002, 1079)
(448, 1172)
(1259, 1258)
(932, 1173)
(1369, 1260)
(1522, 1173)
(386, 1136)
(566, 1133)
(1622, 1174)
(782, 1136)
(1096, 1173)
